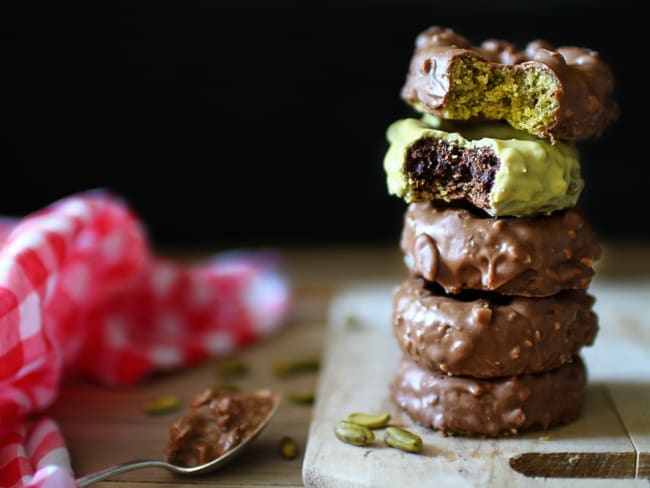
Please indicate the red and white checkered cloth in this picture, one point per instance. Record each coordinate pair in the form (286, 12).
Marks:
(80, 291)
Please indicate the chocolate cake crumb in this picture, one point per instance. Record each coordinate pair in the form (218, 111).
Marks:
(462, 173)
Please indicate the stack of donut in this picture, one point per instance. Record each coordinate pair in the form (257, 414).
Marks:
(495, 310)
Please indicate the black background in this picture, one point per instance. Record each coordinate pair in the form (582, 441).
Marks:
(263, 122)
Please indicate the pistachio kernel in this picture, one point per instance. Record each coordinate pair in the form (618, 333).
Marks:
(370, 421)
(402, 439)
(161, 405)
(352, 322)
(232, 367)
(302, 398)
(352, 433)
(284, 367)
(288, 448)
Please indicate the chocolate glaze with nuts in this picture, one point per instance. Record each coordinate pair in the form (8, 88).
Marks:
(584, 81)
(462, 250)
(217, 422)
(490, 337)
(494, 407)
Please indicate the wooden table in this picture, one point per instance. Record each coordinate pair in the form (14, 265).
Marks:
(107, 426)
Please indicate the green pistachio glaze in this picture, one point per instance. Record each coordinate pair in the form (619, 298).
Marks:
(533, 177)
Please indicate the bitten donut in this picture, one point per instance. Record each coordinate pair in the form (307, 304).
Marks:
(556, 93)
(496, 407)
(461, 250)
(484, 337)
(503, 171)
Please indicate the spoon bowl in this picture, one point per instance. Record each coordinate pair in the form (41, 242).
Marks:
(210, 466)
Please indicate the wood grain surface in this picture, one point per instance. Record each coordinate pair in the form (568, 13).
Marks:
(105, 426)
(607, 444)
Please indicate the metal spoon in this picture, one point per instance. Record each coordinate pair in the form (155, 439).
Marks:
(189, 470)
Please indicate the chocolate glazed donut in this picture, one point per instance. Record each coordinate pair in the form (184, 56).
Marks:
(579, 95)
(496, 407)
(487, 335)
(533, 257)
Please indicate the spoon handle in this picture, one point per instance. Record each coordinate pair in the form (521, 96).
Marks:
(120, 468)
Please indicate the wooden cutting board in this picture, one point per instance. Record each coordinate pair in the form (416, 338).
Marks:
(609, 445)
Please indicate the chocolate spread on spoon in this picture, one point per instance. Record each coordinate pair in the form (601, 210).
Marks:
(216, 422)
